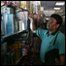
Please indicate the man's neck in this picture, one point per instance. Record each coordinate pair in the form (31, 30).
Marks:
(52, 32)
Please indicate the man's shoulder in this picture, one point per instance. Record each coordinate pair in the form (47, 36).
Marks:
(61, 35)
(41, 32)
(45, 30)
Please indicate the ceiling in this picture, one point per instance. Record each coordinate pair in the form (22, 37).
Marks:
(49, 7)
(48, 4)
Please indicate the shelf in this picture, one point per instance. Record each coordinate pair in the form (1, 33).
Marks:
(7, 35)
(11, 34)
(15, 35)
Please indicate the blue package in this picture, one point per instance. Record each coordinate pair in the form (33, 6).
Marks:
(10, 25)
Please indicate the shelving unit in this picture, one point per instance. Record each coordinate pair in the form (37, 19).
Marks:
(14, 41)
(10, 39)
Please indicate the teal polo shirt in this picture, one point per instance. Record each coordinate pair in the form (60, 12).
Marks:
(47, 42)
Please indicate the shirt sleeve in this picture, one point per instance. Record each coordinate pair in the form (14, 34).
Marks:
(38, 32)
(41, 32)
(61, 44)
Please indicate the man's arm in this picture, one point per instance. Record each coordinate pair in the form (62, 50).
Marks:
(61, 47)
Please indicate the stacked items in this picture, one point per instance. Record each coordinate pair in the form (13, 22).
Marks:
(22, 17)
(7, 20)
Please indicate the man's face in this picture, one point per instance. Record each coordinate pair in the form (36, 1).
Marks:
(52, 24)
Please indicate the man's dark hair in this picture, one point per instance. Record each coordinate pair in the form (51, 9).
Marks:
(58, 18)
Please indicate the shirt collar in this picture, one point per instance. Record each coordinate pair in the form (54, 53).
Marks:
(52, 33)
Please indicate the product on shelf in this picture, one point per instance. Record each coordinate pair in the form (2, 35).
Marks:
(22, 16)
(8, 23)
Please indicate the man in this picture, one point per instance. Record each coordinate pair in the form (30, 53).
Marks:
(52, 39)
